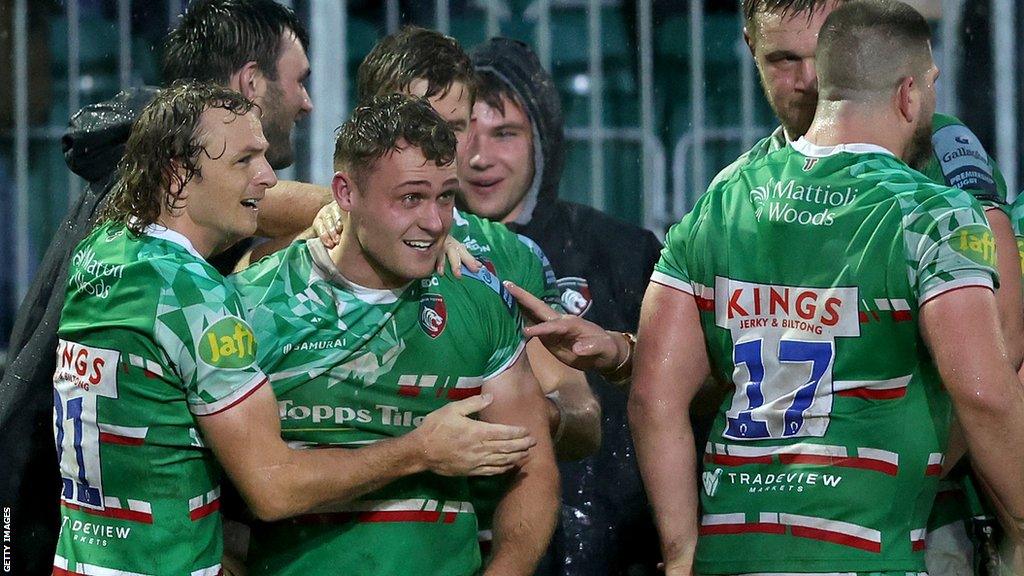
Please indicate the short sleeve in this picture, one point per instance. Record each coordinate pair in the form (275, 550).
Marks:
(671, 269)
(502, 321)
(948, 243)
(960, 161)
(201, 328)
(543, 283)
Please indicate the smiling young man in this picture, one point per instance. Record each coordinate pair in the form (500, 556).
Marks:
(156, 365)
(363, 341)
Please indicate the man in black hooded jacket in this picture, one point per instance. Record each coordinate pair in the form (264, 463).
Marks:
(510, 168)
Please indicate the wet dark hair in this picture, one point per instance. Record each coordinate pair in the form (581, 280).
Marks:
(493, 91)
(409, 54)
(783, 8)
(163, 151)
(217, 37)
(865, 48)
(385, 123)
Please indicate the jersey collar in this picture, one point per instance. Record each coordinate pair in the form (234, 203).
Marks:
(325, 267)
(808, 148)
(166, 234)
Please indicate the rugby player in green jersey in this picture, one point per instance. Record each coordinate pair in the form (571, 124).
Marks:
(363, 341)
(827, 455)
(157, 378)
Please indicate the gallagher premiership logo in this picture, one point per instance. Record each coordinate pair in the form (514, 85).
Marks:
(433, 314)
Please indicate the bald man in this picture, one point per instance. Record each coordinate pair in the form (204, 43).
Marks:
(825, 457)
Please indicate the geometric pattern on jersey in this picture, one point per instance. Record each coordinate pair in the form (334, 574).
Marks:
(352, 366)
(809, 267)
(511, 256)
(150, 337)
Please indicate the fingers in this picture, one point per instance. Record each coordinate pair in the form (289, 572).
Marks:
(513, 447)
(535, 308)
(472, 405)
(556, 327)
(490, 470)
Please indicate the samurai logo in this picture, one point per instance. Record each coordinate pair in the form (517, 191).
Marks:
(576, 299)
(433, 314)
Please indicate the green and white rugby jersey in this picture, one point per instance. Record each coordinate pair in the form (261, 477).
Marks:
(958, 160)
(509, 255)
(809, 267)
(352, 366)
(149, 337)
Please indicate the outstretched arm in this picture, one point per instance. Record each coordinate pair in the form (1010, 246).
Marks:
(278, 482)
(670, 367)
(525, 518)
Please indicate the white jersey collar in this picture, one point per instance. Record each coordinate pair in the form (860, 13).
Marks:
(163, 233)
(328, 270)
(808, 148)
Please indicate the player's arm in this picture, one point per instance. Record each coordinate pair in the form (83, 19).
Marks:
(984, 388)
(525, 518)
(574, 414)
(289, 208)
(1009, 299)
(670, 366)
(278, 481)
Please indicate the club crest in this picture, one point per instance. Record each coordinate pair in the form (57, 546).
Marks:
(433, 314)
(576, 299)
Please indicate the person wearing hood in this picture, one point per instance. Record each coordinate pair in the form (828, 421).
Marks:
(256, 47)
(510, 167)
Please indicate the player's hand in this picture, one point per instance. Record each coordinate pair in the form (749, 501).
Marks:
(453, 444)
(328, 224)
(578, 343)
(455, 254)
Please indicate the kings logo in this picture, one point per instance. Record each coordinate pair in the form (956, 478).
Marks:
(433, 314)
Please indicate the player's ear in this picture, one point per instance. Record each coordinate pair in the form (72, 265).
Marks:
(343, 188)
(907, 99)
(248, 80)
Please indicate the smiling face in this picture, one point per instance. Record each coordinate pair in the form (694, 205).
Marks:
(783, 48)
(221, 202)
(496, 161)
(285, 101)
(400, 212)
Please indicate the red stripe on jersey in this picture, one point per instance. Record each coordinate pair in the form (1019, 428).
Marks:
(109, 438)
(837, 538)
(119, 513)
(727, 460)
(860, 463)
(933, 470)
(462, 393)
(244, 396)
(705, 304)
(808, 459)
(58, 571)
(204, 510)
(399, 516)
(917, 545)
(449, 517)
(901, 316)
(150, 375)
(869, 394)
(875, 316)
(863, 317)
(758, 527)
(410, 391)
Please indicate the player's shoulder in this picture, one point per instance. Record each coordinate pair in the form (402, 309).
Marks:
(482, 290)
(279, 270)
(763, 147)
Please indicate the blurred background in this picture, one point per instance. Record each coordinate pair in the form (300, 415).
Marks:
(658, 94)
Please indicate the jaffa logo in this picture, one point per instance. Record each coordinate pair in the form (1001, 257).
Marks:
(433, 314)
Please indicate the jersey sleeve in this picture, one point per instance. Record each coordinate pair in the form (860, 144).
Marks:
(201, 328)
(671, 269)
(948, 243)
(501, 319)
(960, 161)
(541, 276)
